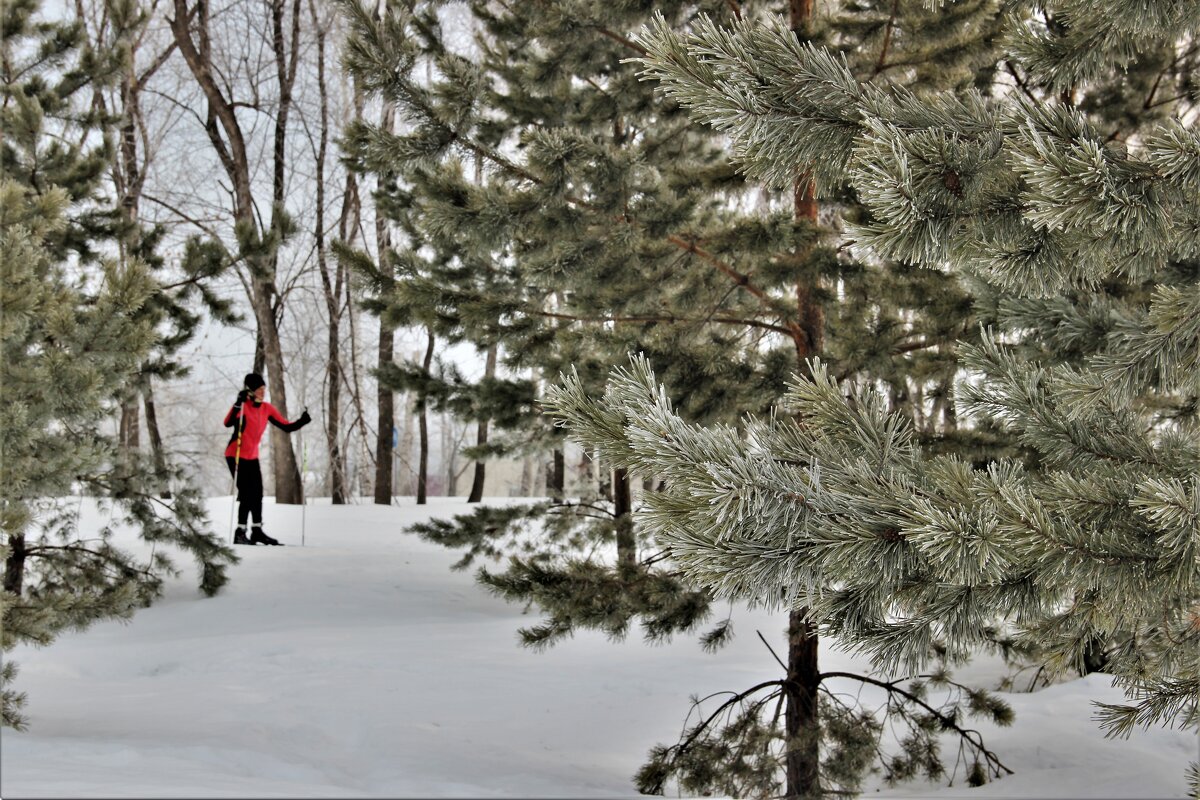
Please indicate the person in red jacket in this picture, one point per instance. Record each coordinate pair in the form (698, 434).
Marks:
(248, 418)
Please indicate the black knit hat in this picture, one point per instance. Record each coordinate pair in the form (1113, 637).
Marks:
(253, 380)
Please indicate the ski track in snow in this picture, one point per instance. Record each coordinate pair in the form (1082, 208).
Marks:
(361, 666)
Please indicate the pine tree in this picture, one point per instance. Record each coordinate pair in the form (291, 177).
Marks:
(403, 295)
(606, 222)
(75, 332)
(516, 267)
(1070, 203)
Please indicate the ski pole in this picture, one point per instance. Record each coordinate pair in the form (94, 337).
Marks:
(303, 486)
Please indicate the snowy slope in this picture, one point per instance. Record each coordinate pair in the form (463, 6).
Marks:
(359, 665)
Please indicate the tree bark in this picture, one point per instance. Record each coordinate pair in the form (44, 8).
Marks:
(287, 471)
(623, 511)
(332, 286)
(406, 481)
(449, 455)
(288, 482)
(157, 452)
(802, 716)
(129, 431)
(386, 422)
(489, 372)
(354, 386)
(802, 719)
(14, 565)
(423, 427)
(556, 480)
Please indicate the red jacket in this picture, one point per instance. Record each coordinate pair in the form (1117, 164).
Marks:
(253, 421)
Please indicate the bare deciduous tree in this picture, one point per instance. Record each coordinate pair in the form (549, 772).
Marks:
(258, 241)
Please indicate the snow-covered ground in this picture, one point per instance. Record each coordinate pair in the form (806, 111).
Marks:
(360, 665)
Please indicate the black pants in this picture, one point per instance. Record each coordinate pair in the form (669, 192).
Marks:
(249, 488)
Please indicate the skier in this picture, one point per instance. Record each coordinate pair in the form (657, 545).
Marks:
(249, 417)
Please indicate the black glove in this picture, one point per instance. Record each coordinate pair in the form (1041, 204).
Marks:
(304, 418)
(242, 397)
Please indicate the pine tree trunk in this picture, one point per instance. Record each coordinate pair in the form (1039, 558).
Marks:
(423, 427)
(156, 444)
(386, 420)
(480, 470)
(802, 764)
(423, 459)
(14, 565)
(386, 423)
(623, 511)
(482, 435)
(130, 426)
(802, 717)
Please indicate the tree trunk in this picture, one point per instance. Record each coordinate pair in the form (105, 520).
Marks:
(481, 438)
(287, 472)
(386, 353)
(129, 430)
(156, 444)
(332, 286)
(386, 422)
(407, 481)
(802, 717)
(337, 461)
(423, 427)
(288, 483)
(556, 480)
(260, 349)
(802, 763)
(365, 460)
(623, 511)
(14, 565)
(449, 455)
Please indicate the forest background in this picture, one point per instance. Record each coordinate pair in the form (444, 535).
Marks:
(183, 190)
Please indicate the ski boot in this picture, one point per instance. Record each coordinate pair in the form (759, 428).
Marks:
(258, 537)
(239, 536)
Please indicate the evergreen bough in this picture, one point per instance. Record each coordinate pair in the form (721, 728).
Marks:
(75, 331)
(1071, 202)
